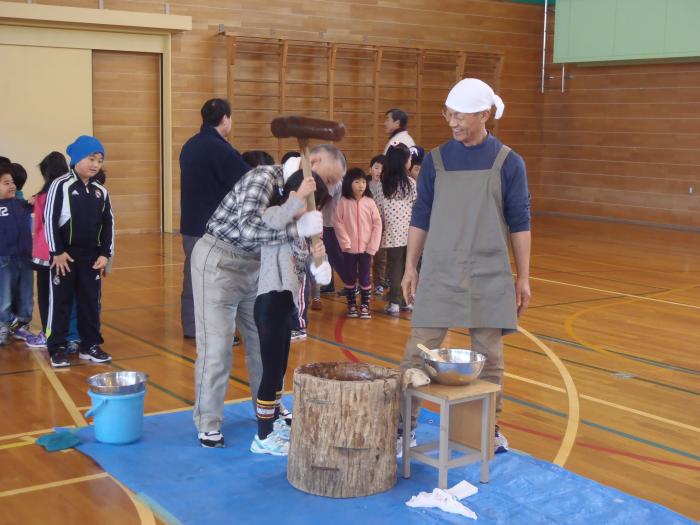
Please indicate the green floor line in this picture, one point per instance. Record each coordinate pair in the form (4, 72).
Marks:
(168, 351)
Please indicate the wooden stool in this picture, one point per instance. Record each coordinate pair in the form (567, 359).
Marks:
(447, 397)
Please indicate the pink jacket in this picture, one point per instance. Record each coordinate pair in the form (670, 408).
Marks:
(358, 225)
(40, 251)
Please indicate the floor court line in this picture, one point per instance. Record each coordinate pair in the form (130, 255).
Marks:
(607, 403)
(598, 448)
(570, 320)
(54, 484)
(527, 403)
(622, 294)
(60, 390)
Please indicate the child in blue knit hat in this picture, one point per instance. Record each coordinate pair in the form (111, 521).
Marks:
(79, 228)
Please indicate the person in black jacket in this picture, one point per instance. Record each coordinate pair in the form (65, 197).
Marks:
(79, 228)
(209, 168)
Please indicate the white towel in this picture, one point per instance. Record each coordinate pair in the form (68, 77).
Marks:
(447, 500)
(470, 95)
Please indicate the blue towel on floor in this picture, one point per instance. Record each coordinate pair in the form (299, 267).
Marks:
(59, 440)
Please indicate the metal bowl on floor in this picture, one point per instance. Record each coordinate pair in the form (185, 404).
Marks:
(118, 383)
(460, 366)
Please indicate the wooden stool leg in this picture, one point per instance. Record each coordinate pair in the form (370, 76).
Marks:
(486, 434)
(406, 441)
(444, 452)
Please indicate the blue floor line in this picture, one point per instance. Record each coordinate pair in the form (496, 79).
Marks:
(534, 406)
(645, 360)
(606, 429)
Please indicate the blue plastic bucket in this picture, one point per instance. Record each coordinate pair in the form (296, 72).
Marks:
(118, 419)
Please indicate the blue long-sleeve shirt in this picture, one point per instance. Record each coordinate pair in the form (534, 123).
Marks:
(457, 156)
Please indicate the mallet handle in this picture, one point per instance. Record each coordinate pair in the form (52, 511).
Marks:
(310, 200)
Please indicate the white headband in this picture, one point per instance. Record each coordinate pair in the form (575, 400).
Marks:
(471, 95)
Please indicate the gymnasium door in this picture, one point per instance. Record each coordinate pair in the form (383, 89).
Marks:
(126, 93)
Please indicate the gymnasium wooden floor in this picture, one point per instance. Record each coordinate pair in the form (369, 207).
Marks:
(607, 386)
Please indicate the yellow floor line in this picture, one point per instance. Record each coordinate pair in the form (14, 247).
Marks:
(60, 390)
(607, 403)
(16, 445)
(569, 322)
(145, 513)
(52, 485)
(32, 433)
(572, 422)
(622, 294)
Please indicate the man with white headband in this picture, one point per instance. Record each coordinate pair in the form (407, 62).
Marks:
(472, 200)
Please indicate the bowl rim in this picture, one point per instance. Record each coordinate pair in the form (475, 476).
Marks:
(93, 378)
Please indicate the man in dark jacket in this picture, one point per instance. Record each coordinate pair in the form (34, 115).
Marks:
(209, 168)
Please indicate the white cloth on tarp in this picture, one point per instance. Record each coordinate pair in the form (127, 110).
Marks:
(447, 500)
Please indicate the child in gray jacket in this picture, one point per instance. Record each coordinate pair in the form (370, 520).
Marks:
(282, 268)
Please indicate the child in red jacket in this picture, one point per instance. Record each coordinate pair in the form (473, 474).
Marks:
(358, 227)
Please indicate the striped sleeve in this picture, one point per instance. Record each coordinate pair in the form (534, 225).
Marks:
(106, 240)
(52, 215)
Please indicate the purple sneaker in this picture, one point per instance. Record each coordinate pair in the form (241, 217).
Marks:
(36, 341)
(22, 332)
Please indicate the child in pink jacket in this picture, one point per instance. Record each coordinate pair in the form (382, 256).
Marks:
(358, 227)
(52, 166)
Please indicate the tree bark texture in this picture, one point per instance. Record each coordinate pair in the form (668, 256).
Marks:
(343, 441)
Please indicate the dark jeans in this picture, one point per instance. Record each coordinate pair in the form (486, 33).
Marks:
(357, 267)
(396, 264)
(334, 253)
(273, 318)
(186, 299)
(16, 289)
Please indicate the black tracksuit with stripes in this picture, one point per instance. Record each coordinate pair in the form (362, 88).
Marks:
(79, 221)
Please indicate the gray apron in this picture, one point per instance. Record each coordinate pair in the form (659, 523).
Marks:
(465, 278)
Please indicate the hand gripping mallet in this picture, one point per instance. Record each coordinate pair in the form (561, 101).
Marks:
(303, 129)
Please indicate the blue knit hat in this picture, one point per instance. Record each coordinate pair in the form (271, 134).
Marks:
(83, 146)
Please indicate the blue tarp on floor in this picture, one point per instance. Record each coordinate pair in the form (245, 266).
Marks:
(168, 468)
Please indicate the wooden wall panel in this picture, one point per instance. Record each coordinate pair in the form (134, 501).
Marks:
(199, 62)
(621, 142)
(126, 118)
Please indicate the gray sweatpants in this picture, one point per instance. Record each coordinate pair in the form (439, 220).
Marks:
(224, 284)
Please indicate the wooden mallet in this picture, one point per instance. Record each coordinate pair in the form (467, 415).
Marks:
(303, 129)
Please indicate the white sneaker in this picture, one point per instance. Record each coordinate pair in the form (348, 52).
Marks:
(407, 308)
(500, 443)
(213, 439)
(392, 309)
(281, 427)
(399, 443)
(298, 335)
(273, 444)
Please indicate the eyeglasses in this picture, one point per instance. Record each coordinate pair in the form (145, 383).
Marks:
(459, 117)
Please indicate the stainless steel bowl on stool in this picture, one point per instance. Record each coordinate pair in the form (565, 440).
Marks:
(460, 366)
(118, 383)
